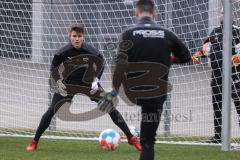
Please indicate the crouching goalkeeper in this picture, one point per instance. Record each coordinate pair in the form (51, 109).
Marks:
(213, 48)
(76, 47)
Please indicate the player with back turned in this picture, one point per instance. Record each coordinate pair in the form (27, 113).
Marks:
(76, 47)
(147, 42)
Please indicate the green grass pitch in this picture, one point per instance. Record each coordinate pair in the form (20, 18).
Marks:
(48, 149)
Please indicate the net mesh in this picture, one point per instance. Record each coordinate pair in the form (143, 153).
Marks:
(33, 30)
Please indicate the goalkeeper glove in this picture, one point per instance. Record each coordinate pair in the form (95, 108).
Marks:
(236, 60)
(61, 88)
(237, 48)
(196, 57)
(94, 87)
(206, 49)
(108, 102)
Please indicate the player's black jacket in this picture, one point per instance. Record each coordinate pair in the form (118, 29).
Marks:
(216, 51)
(152, 43)
(67, 52)
(216, 39)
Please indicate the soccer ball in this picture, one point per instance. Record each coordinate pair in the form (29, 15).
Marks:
(109, 139)
(134, 131)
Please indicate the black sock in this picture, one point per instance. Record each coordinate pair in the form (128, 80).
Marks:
(120, 122)
(57, 102)
(44, 124)
(147, 152)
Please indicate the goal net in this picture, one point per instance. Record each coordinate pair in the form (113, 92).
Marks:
(31, 31)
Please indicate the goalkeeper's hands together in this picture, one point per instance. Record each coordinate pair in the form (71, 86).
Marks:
(109, 101)
(61, 88)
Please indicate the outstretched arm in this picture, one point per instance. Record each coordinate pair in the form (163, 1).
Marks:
(180, 52)
(109, 101)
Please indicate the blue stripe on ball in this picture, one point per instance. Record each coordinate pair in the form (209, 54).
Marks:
(104, 135)
(112, 134)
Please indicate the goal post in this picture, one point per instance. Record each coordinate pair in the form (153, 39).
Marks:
(37, 31)
(227, 69)
(31, 31)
